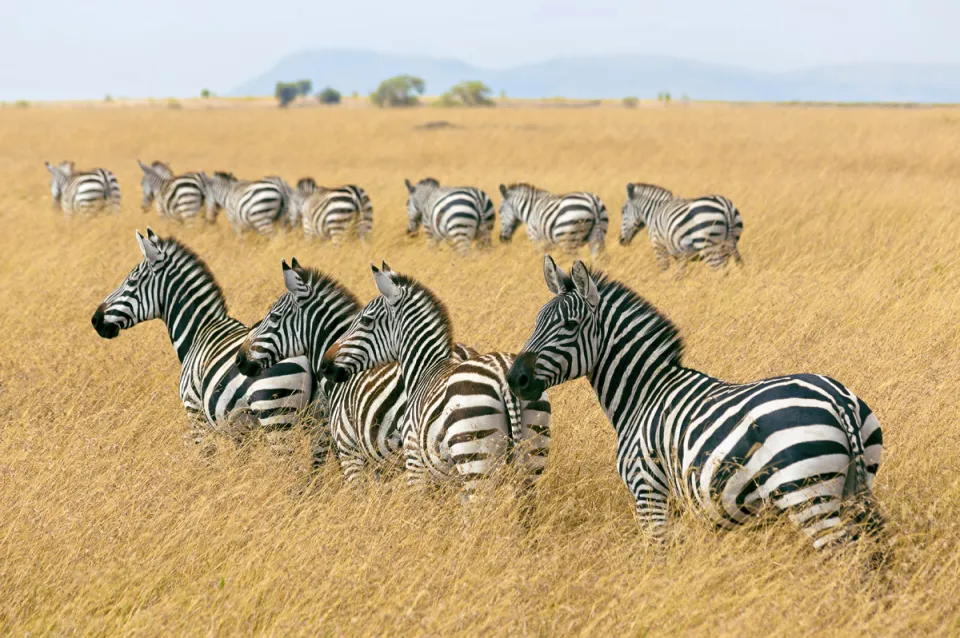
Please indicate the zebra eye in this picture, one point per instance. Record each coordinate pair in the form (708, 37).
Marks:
(366, 322)
(570, 324)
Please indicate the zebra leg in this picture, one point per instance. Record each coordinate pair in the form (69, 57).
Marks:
(652, 513)
(663, 257)
(715, 255)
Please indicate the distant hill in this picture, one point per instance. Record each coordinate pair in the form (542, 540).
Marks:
(619, 76)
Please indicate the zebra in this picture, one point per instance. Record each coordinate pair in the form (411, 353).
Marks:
(705, 228)
(365, 412)
(456, 214)
(173, 284)
(179, 198)
(255, 205)
(569, 221)
(801, 442)
(332, 213)
(461, 420)
(83, 191)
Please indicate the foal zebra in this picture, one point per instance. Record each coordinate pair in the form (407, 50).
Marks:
(84, 191)
(255, 205)
(568, 221)
(173, 284)
(364, 412)
(178, 198)
(705, 228)
(461, 421)
(802, 442)
(458, 214)
(332, 213)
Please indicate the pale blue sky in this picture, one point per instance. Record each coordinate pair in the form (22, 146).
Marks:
(58, 49)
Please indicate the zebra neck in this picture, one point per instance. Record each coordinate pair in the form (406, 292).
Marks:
(190, 307)
(323, 328)
(419, 367)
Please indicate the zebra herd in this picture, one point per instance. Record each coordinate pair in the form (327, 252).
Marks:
(389, 390)
(705, 228)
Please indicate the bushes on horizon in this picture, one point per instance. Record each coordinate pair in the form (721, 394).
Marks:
(286, 93)
(401, 90)
(470, 93)
(631, 102)
(329, 95)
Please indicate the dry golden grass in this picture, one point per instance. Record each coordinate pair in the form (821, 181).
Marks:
(108, 524)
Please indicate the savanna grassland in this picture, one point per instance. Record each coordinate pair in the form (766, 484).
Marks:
(109, 524)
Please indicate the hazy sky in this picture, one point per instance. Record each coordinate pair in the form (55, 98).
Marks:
(56, 49)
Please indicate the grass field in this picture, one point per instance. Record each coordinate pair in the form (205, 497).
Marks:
(109, 525)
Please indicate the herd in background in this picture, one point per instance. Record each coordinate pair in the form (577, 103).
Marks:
(706, 228)
(387, 389)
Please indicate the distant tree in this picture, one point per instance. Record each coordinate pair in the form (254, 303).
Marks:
(401, 90)
(304, 87)
(664, 96)
(503, 94)
(631, 102)
(329, 96)
(355, 95)
(108, 98)
(205, 94)
(286, 93)
(467, 94)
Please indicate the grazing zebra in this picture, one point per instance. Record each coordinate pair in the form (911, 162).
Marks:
(332, 213)
(461, 420)
(569, 221)
(802, 442)
(255, 205)
(455, 214)
(364, 412)
(178, 198)
(705, 228)
(173, 284)
(84, 191)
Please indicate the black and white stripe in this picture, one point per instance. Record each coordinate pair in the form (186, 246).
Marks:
(705, 228)
(173, 284)
(177, 198)
(802, 443)
(568, 221)
(462, 420)
(83, 191)
(248, 205)
(365, 411)
(456, 214)
(333, 213)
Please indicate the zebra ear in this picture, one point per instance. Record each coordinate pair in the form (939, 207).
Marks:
(387, 287)
(149, 246)
(384, 267)
(555, 278)
(143, 167)
(410, 187)
(584, 283)
(294, 263)
(631, 188)
(295, 283)
(503, 190)
(49, 166)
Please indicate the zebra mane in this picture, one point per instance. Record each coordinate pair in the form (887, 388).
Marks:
(643, 186)
(429, 181)
(611, 289)
(522, 185)
(172, 246)
(416, 286)
(321, 283)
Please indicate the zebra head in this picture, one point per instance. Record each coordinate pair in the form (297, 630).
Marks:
(153, 178)
(58, 178)
(137, 298)
(515, 207)
(642, 199)
(216, 189)
(566, 338)
(417, 195)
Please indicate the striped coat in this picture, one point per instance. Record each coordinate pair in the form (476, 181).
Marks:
(177, 198)
(83, 191)
(458, 215)
(567, 221)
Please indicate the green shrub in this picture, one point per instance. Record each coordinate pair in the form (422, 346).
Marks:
(631, 102)
(329, 95)
(401, 90)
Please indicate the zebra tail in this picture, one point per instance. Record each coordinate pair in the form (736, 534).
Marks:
(856, 493)
(514, 413)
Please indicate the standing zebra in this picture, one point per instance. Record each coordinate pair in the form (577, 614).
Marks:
(705, 228)
(461, 421)
(255, 205)
(364, 412)
(332, 213)
(569, 221)
(173, 284)
(455, 214)
(178, 198)
(802, 442)
(84, 191)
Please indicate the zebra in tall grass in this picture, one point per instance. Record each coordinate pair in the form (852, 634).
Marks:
(333, 213)
(802, 443)
(178, 198)
(248, 205)
(705, 228)
(568, 221)
(462, 421)
(173, 284)
(365, 412)
(83, 191)
(458, 214)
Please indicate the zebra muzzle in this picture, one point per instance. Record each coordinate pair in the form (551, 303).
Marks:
(104, 329)
(522, 377)
(248, 367)
(329, 367)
